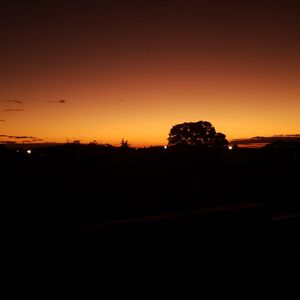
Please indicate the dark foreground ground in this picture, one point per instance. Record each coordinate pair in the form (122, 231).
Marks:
(78, 222)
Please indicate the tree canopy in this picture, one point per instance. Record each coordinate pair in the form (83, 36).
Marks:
(200, 133)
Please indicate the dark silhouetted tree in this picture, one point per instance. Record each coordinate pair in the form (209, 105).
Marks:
(124, 144)
(201, 134)
(93, 143)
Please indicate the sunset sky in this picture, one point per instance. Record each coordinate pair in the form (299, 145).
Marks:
(107, 70)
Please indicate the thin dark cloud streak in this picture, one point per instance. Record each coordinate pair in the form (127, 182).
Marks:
(35, 140)
(13, 109)
(7, 142)
(267, 140)
(57, 101)
(15, 101)
(17, 136)
(15, 139)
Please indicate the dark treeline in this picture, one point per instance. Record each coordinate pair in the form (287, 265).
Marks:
(74, 184)
(60, 233)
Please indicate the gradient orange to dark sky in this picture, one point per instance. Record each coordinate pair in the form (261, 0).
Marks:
(133, 69)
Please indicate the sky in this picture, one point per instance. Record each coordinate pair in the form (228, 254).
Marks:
(107, 70)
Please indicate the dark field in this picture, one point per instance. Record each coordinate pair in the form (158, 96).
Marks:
(81, 221)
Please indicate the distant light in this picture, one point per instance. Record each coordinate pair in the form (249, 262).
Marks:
(28, 151)
(18, 151)
(230, 147)
(165, 147)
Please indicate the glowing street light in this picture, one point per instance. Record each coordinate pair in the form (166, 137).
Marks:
(29, 151)
(230, 147)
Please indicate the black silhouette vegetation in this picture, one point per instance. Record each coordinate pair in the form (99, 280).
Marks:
(198, 134)
(124, 144)
(99, 219)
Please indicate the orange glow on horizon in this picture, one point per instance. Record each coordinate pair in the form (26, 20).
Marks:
(113, 73)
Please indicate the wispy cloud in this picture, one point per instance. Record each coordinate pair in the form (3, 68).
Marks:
(24, 139)
(35, 140)
(13, 109)
(15, 101)
(7, 142)
(2, 120)
(17, 136)
(57, 101)
(268, 139)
